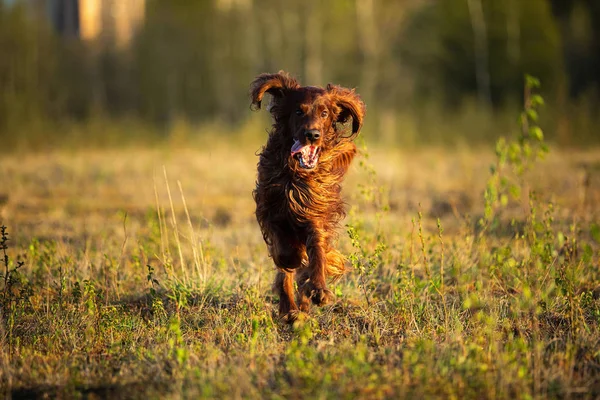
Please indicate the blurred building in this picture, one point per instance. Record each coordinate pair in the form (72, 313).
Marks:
(105, 21)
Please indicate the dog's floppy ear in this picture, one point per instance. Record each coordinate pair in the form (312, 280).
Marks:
(350, 105)
(274, 84)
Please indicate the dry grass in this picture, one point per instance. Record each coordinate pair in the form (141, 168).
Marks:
(127, 292)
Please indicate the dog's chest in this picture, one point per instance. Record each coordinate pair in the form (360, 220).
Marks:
(300, 199)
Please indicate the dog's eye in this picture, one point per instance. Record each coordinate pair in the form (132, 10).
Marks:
(299, 112)
(324, 114)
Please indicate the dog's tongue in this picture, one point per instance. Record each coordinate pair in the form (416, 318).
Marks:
(297, 147)
(308, 154)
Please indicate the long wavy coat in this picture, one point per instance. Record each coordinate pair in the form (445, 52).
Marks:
(298, 199)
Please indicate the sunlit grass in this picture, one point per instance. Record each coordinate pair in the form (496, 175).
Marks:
(114, 298)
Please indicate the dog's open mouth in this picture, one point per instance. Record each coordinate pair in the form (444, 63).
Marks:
(307, 155)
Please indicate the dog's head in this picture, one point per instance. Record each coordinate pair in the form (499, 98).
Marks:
(308, 114)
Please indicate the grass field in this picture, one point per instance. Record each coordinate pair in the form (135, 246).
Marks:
(141, 273)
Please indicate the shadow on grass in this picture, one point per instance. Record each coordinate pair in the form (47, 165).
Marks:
(109, 391)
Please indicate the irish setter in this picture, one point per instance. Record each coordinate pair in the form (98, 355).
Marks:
(298, 200)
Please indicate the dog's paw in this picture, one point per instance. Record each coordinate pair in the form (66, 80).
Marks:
(293, 316)
(321, 297)
(318, 295)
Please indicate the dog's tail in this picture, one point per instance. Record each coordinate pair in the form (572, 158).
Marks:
(335, 265)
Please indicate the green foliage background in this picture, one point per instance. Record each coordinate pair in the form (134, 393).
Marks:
(414, 62)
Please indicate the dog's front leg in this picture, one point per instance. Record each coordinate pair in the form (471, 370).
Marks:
(315, 287)
(284, 286)
(287, 255)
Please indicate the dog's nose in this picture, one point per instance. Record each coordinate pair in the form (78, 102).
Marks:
(312, 135)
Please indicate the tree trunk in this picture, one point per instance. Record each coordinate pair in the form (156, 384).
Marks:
(513, 29)
(481, 51)
(313, 44)
(367, 40)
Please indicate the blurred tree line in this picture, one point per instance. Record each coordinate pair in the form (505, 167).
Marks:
(425, 59)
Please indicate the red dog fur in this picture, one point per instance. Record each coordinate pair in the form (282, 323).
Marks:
(298, 200)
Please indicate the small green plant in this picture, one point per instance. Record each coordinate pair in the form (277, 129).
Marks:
(10, 296)
(152, 281)
(515, 157)
(158, 308)
(179, 351)
(368, 247)
(364, 261)
(179, 294)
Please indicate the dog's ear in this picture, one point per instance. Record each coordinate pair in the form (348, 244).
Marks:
(274, 84)
(350, 105)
